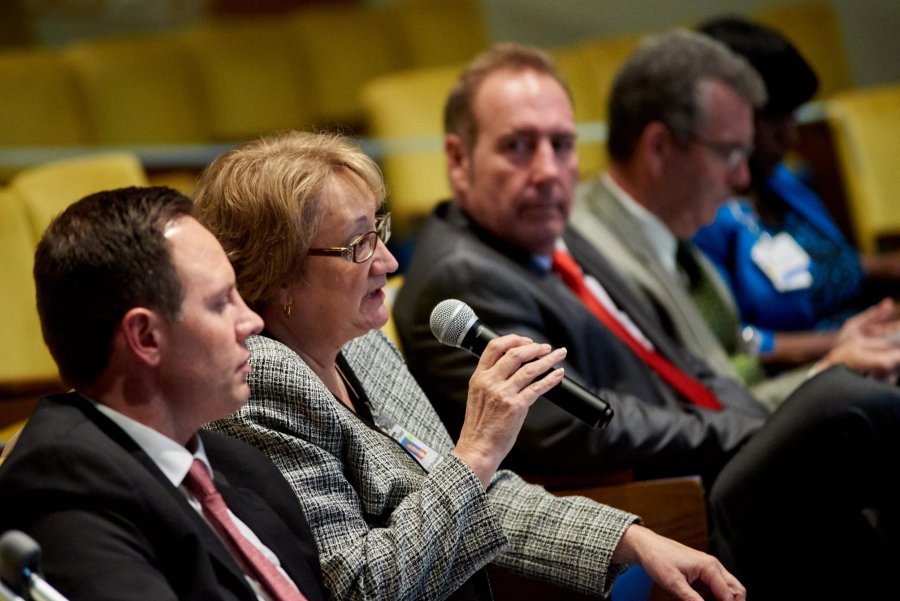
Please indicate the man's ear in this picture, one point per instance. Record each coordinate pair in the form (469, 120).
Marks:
(656, 145)
(458, 166)
(142, 333)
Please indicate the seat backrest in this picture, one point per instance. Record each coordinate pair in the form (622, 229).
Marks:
(391, 289)
(404, 115)
(814, 28)
(865, 125)
(335, 71)
(141, 89)
(24, 358)
(46, 190)
(251, 83)
(39, 100)
(442, 32)
(590, 68)
(574, 65)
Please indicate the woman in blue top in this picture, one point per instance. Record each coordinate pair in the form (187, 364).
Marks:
(791, 269)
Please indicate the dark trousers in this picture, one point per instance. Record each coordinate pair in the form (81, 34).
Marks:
(808, 508)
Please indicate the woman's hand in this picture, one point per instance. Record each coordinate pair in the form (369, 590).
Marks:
(678, 569)
(501, 391)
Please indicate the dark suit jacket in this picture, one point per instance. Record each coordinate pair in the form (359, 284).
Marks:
(654, 431)
(111, 526)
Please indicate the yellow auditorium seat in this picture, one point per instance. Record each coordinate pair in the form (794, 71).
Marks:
(39, 101)
(815, 29)
(250, 81)
(574, 66)
(441, 32)
(336, 70)
(391, 289)
(25, 362)
(589, 69)
(404, 115)
(865, 124)
(605, 56)
(47, 189)
(142, 89)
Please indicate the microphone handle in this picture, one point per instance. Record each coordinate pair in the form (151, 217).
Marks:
(568, 395)
(7, 594)
(571, 396)
(41, 590)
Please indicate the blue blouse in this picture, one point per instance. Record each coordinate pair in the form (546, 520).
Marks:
(835, 267)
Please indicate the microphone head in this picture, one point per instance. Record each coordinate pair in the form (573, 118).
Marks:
(451, 320)
(18, 551)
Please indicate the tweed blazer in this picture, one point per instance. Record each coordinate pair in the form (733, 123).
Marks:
(386, 528)
(653, 431)
(602, 219)
(113, 528)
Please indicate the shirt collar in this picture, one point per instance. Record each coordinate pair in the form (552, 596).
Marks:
(662, 243)
(170, 457)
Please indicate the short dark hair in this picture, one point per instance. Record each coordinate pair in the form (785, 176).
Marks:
(661, 81)
(104, 255)
(790, 80)
(459, 117)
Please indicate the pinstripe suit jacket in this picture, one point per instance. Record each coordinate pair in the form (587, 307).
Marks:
(385, 528)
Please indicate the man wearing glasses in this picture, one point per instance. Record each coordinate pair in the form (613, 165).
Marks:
(680, 135)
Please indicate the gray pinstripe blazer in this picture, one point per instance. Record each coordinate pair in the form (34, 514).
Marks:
(385, 528)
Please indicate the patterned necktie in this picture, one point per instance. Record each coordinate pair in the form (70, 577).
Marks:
(718, 315)
(199, 482)
(689, 387)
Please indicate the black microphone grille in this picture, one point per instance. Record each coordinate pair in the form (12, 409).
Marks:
(450, 320)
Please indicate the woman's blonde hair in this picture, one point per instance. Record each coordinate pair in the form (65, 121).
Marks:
(263, 201)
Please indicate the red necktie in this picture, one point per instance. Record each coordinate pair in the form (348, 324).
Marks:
(199, 482)
(689, 387)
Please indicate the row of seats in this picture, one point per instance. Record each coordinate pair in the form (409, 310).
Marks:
(227, 79)
(403, 110)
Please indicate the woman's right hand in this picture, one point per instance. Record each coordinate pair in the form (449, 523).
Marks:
(502, 389)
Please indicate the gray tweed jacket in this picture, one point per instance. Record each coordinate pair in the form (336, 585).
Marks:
(386, 528)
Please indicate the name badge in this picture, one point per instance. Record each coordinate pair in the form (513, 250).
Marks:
(418, 450)
(783, 261)
(421, 452)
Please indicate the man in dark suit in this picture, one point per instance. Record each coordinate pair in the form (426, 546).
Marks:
(139, 308)
(512, 166)
(510, 149)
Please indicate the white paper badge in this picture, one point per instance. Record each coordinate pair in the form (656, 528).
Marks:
(783, 261)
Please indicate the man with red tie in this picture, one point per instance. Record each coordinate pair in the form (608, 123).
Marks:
(114, 480)
(504, 246)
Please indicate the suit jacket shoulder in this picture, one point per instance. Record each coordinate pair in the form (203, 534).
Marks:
(111, 526)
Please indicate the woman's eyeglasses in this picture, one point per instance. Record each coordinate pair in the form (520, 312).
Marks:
(362, 247)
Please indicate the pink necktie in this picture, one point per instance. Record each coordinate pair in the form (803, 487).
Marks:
(689, 387)
(199, 482)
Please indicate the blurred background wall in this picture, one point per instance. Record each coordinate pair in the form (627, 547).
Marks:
(870, 27)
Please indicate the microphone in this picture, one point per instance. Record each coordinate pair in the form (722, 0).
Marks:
(20, 562)
(454, 323)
